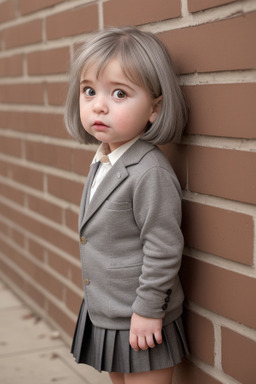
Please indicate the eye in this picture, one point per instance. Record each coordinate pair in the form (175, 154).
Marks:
(89, 91)
(119, 94)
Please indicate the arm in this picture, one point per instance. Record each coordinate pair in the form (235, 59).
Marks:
(157, 210)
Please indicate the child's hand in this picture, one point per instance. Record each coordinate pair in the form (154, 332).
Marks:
(143, 331)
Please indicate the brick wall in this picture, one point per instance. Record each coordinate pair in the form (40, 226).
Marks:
(42, 170)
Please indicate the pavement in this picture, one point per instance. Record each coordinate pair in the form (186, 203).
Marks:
(33, 353)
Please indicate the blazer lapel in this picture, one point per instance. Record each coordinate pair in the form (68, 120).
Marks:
(86, 194)
(113, 178)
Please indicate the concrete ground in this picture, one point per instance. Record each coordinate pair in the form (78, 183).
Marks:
(33, 353)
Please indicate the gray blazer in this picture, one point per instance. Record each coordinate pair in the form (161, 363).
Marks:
(130, 240)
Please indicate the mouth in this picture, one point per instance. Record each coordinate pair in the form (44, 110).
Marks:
(100, 126)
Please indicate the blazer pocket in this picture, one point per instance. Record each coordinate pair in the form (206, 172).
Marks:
(120, 273)
(122, 285)
(118, 205)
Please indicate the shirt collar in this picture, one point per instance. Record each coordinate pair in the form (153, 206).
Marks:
(103, 150)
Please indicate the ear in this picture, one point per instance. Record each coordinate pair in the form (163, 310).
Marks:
(155, 109)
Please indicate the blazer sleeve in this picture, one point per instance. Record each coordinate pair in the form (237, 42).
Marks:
(157, 211)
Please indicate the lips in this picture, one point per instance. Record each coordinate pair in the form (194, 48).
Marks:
(100, 126)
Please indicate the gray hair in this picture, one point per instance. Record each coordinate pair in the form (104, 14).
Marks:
(145, 61)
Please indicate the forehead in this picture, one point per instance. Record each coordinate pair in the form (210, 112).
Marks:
(114, 66)
(97, 70)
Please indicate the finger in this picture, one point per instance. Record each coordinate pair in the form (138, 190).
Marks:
(142, 343)
(134, 341)
(158, 337)
(150, 341)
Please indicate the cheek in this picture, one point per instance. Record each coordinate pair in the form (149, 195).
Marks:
(83, 111)
(83, 120)
(131, 117)
(121, 117)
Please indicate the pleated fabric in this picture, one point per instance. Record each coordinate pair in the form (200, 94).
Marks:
(109, 350)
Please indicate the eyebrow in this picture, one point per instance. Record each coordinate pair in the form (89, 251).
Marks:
(84, 81)
(119, 84)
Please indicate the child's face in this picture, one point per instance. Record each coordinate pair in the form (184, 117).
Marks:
(113, 109)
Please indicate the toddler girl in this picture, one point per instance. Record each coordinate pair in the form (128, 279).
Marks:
(124, 94)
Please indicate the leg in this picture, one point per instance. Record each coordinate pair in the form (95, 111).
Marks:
(117, 378)
(161, 376)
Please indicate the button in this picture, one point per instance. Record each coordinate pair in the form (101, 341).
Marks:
(86, 281)
(164, 307)
(167, 299)
(83, 240)
(168, 292)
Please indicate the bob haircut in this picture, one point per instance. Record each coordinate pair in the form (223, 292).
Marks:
(146, 62)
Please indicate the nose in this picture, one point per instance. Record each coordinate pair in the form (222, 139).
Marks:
(100, 104)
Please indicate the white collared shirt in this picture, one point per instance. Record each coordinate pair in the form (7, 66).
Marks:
(107, 159)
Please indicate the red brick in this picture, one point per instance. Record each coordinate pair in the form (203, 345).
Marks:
(29, 177)
(18, 238)
(13, 275)
(71, 219)
(7, 11)
(199, 5)
(4, 229)
(53, 236)
(57, 93)
(82, 160)
(30, 6)
(218, 231)
(216, 46)
(3, 168)
(75, 21)
(73, 301)
(7, 212)
(219, 290)
(65, 189)
(47, 124)
(36, 250)
(219, 110)
(45, 208)
(22, 94)
(10, 146)
(23, 34)
(61, 318)
(76, 275)
(22, 283)
(200, 334)
(188, 373)
(238, 356)
(37, 296)
(11, 66)
(135, 12)
(21, 262)
(12, 193)
(5, 118)
(57, 156)
(222, 172)
(41, 276)
(58, 239)
(49, 282)
(5, 248)
(58, 263)
(47, 62)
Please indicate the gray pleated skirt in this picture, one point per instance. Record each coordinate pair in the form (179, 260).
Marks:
(109, 350)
